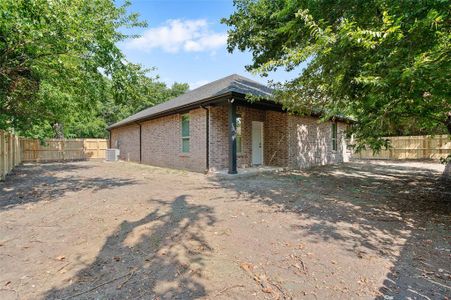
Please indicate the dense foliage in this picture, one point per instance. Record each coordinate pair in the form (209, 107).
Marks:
(384, 63)
(61, 72)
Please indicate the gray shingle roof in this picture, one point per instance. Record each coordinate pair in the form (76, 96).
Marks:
(232, 83)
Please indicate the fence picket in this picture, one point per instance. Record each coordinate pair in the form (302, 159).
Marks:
(2, 156)
(15, 150)
(412, 147)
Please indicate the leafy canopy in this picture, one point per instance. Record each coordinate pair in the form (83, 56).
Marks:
(61, 72)
(384, 63)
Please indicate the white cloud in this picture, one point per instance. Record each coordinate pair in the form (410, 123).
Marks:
(176, 35)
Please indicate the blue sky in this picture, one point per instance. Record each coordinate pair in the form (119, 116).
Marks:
(185, 41)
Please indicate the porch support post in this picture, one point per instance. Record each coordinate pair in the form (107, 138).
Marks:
(232, 136)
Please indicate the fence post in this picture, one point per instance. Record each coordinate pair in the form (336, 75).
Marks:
(85, 147)
(21, 150)
(10, 154)
(16, 154)
(13, 147)
(63, 149)
(2, 156)
(7, 153)
(16, 151)
(440, 145)
(425, 142)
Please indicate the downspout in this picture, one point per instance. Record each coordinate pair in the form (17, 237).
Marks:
(109, 138)
(207, 132)
(140, 143)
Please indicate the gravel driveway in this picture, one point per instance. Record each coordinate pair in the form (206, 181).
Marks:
(86, 230)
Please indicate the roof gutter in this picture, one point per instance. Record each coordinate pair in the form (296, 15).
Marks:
(271, 104)
(140, 144)
(218, 98)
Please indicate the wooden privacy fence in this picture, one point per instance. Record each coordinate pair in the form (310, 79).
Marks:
(60, 150)
(10, 154)
(14, 150)
(412, 147)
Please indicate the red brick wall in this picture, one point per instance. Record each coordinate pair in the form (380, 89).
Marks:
(276, 139)
(218, 137)
(310, 142)
(289, 141)
(126, 139)
(162, 142)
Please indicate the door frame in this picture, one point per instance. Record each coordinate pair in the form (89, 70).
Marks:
(262, 141)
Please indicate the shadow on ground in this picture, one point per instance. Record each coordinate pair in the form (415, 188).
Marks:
(36, 182)
(387, 207)
(159, 256)
(392, 211)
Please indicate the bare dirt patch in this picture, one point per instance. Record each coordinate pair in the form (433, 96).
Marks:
(121, 230)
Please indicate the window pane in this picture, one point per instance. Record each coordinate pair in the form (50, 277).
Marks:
(185, 125)
(334, 130)
(334, 136)
(185, 145)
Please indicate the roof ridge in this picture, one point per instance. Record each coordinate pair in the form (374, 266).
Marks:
(248, 79)
(214, 81)
(190, 91)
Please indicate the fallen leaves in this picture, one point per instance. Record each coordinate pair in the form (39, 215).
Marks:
(246, 267)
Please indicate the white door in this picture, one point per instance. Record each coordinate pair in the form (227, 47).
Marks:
(257, 143)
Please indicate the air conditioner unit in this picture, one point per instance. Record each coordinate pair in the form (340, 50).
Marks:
(112, 154)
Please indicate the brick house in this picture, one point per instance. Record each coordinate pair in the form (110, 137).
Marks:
(214, 127)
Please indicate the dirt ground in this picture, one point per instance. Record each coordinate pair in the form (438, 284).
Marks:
(87, 230)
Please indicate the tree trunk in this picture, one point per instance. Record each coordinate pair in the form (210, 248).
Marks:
(448, 123)
(59, 132)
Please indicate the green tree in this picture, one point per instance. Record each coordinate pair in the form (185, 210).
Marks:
(133, 93)
(57, 61)
(384, 63)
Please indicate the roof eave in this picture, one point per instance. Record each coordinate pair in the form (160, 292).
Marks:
(209, 100)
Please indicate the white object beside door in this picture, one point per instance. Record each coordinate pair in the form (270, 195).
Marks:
(257, 143)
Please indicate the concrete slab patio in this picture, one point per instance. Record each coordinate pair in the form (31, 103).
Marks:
(87, 230)
(245, 172)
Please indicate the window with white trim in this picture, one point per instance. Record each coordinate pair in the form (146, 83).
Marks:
(185, 133)
(334, 137)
